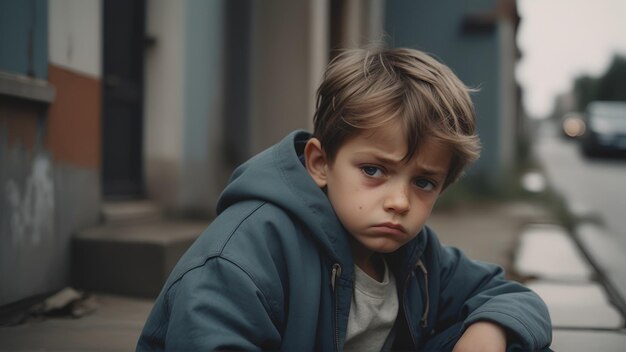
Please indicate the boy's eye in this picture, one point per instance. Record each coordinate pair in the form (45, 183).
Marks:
(425, 184)
(371, 171)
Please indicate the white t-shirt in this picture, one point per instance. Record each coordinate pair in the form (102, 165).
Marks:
(372, 313)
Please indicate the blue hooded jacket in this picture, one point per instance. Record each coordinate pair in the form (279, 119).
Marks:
(274, 271)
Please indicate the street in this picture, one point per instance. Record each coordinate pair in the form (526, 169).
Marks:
(591, 185)
(592, 188)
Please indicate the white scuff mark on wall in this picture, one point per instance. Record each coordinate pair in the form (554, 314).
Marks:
(32, 212)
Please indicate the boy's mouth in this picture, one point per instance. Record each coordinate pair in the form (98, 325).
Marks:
(391, 226)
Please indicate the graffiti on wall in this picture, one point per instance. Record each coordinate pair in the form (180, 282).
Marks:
(31, 209)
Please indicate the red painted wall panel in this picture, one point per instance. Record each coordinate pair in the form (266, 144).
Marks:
(74, 132)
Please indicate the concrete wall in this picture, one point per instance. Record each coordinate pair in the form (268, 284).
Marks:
(49, 154)
(73, 134)
(183, 105)
(362, 23)
(190, 98)
(163, 102)
(75, 36)
(203, 96)
(26, 177)
(508, 102)
(290, 52)
(29, 253)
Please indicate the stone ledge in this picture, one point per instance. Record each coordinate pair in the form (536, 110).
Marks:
(23, 87)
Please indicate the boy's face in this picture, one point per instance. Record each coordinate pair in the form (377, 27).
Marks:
(382, 200)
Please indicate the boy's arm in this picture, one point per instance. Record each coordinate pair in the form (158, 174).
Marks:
(482, 336)
(472, 292)
(218, 307)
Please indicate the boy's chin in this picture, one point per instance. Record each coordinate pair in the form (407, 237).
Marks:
(384, 248)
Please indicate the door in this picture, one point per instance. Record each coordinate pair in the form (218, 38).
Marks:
(122, 103)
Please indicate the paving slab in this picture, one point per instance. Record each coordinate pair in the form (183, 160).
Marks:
(114, 326)
(578, 305)
(585, 341)
(548, 252)
(487, 231)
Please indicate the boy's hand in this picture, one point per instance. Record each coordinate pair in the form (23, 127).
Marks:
(482, 336)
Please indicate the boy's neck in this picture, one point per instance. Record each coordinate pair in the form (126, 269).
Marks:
(368, 261)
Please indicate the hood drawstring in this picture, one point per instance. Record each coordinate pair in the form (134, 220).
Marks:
(424, 320)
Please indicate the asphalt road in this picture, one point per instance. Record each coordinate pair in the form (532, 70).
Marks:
(596, 186)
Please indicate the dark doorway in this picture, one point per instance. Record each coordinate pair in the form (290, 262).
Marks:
(122, 103)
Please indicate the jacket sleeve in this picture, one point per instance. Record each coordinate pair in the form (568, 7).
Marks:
(219, 307)
(472, 291)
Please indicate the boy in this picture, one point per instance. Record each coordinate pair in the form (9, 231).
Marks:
(320, 242)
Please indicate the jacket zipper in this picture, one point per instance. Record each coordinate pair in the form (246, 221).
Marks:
(424, 320)
(333, 278)
(406, 314)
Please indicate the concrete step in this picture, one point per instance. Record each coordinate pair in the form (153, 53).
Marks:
(130, 211)
(131, 259)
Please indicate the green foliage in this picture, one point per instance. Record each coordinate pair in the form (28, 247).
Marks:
(585, 88)
(611, 86)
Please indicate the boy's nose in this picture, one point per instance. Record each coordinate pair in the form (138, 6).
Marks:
(397, 200)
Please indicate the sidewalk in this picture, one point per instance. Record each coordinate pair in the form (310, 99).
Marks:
(524, 238)
(583, 316)
(113, 326)
(546, 259)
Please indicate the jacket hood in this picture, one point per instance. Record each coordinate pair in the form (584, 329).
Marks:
(277, 176)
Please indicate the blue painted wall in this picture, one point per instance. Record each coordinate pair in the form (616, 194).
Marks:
(24, 37)
(436, 27)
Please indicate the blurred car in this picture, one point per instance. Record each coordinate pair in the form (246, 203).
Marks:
(605, 131)
(573, 125)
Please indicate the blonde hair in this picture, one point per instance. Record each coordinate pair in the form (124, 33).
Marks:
(366, 89)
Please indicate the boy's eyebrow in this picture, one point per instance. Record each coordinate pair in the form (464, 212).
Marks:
(424, 169)
(433, 171)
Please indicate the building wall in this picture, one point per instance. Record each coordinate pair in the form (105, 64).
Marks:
(73, 134)
(75, 36)
(24, 44)
(287, 67)
(475, 54)
(49, 148)
(26, 181)
(203, 96)
(163, 101)
(195, 86)
(508, 103)
(27, 238)
(183, 105)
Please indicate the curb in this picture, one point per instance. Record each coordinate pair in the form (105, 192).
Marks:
(597, 246)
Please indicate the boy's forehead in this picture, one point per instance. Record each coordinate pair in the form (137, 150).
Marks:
(390, 144)
(389, 139)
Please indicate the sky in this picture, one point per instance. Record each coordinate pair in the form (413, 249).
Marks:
(563, 39)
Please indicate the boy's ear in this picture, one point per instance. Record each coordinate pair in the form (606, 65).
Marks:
(315, 161)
